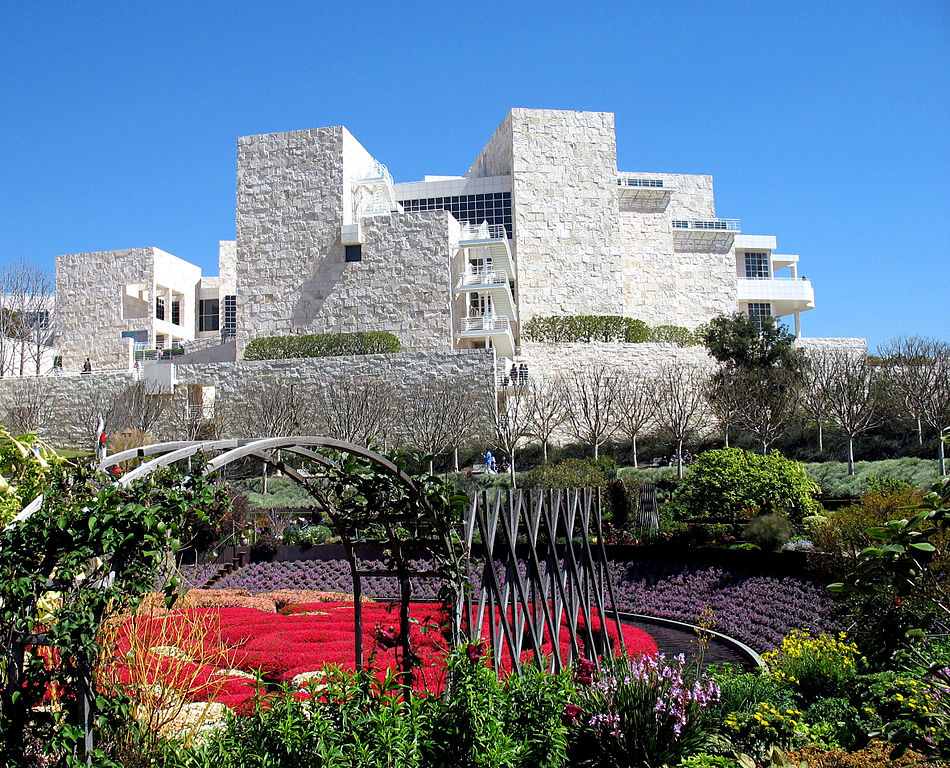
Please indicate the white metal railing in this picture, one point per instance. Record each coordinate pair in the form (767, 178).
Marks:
(377, 172)
(200, 412)
(483, 231)
(701, 225)
(642, 182)
(506, 379)
(484, 323)
(777, 288)
(484, 277)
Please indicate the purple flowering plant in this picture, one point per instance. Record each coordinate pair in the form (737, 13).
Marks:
(647, 711)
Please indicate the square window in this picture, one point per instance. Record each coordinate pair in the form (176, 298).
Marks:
(354, 252)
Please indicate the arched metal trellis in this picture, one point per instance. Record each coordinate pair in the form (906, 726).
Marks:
(306, 450)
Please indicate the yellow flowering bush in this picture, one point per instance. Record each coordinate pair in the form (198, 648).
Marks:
(766, 726)
(816, 667)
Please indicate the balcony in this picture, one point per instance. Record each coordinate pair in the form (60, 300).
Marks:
(495, 329)
(640, 188)
(495, 283)
(786, 294)
(488, 241)
(717, 233)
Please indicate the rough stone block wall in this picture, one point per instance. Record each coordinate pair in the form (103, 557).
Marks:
(293, 192)
(289, 213)
(854, 346)
(554, 361)
(89, 319)
(564, 195)
(73, 402)
(495, 158)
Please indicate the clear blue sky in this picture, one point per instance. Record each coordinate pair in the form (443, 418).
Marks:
(825, 124)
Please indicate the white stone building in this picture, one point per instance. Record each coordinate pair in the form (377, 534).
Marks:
(543, 223)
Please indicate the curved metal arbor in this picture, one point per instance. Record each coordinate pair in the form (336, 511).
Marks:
(321, 468)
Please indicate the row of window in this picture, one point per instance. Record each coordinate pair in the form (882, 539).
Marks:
(757, 265)
(493, 207)
(210, 317)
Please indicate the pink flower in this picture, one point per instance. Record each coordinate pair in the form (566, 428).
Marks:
(585, 671)
(571, 714)
(386, 638)
(475, 651)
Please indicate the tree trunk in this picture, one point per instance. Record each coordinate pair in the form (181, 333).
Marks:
(596, 450)
(850, 454)
(635, 462)
(431, 467)
(727, 435)
(765, 448)
(943, 454)
(264, 477)
(679, 459)
(920, 432)
(544, 451)
(455, 457)
(511, 470)
(821, 439)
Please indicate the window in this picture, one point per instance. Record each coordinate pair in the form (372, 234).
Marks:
(759, 310)
(208, 319)
(757, 266)
(229, 329)
(493, 207)
(159, 309)
(354, 252)
(176, 312)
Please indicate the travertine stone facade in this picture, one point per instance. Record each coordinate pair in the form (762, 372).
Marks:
(553, 361)
(294, 194)
(564, 196)
(93, 312)
(858, 347)
(582, 249)
(76, 401)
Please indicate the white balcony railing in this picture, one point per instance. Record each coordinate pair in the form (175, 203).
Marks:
(483, 231)
(484, 277)
(484, 324)
(376, 172)
(776, 289)
(642, 182)
(706, 225)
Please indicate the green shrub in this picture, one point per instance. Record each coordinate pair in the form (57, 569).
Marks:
(589, 328)
(624, 496)
(835, 482)
(768, 532)
(815, 667)
(737, 484)
(322, 345)
(571, 473)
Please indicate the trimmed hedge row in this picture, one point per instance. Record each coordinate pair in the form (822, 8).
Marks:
(588, 328)
(322, 345)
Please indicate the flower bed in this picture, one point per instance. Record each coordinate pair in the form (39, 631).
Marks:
(219, 663)
(755, 607)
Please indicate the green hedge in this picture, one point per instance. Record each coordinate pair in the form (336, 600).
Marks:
(322, 345)
(588, 328)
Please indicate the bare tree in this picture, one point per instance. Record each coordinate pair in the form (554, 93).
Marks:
(725, 395)
(267, 407)
(636, 406)
(510, 418)
(358, 410)
(679, 404)
(814, 393)
(28, 405)
(548, 410)
(439, 417)
(27, 296)
(918, 375)
(855, 395)
(100, 402)
(768, 402)
(144, 405)
(591, 406)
